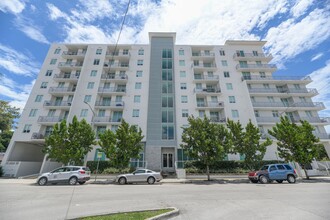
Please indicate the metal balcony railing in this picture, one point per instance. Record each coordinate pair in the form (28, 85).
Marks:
(256, 66)
(282, 90)
(281, 104)
(111, 89)
(252, 55)
(109, 76)
(50, 119)
(107, 103)
(66, 76)
(203, 54)
(116, 65)
(207, 90)
(106, 119)
(61, 89)
(210, 104)
(73, 53)
(57, 103)
(202, 77)
(72, 64)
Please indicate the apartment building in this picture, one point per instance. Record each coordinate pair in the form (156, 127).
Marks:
(157, 86)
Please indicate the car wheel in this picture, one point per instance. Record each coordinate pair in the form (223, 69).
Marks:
(291, 179)
(254, 181)
(122, 180)
(73, 180)
(151, 180)
(263, 179)
(42, 181)
(279, 181)
(81, 183)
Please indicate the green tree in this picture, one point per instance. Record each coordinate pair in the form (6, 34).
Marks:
(123, 145)
(68, 144)
(7, 115)
(296, 142)
(248, 143)
(205, 141)
(5, 137)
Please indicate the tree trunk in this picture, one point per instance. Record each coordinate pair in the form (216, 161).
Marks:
(307, 177)
(208, 172)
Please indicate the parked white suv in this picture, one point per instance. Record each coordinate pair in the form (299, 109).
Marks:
(67, 174)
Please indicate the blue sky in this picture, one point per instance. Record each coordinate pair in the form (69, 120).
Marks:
(297, 31)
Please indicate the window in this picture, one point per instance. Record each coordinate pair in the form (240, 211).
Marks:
(309, 114)
(183, 86)
(253, 99)
(266, 86)
(258, 63)
(280, 167)
(270, 98)
(167, 116)
(49, 73)
(87, 98)
(262, 74)
(229, 86)
(101, 113)
(100, 130)
(232, 99)
(33, 112)
(234, 113)
(53, 61)
(140, 62)
(137, 99)
(275, 114)
(83, 112)
(138, 85)
(182, 74)
(222, 53)
(256, 113)
(136, 112)
(185, 113)
(27, 128)
(181, 52)
(139, 73)
(184, 99)
(96, 62)
(60, 84)
(98, 51)
(302, 99)
(296, 86)
(93, 73)
(141, 52)
(57, 51)
(90, 85)
(44, 85)
(201, 113)
(167, 132)
(272, 168)
(38, 98)
(182, 63)
(51, 112)
(226, 74)
(224, 63)
(255, 53)
(125, 51)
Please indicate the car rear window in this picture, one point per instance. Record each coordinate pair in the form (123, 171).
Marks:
(288, 167)
(264, 168)
(280, 167)
(86, 168)
(75, 168)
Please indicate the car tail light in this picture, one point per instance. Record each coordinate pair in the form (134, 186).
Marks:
(294, 171)
(82, 171)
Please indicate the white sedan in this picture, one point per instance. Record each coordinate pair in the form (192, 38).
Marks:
(139, 176)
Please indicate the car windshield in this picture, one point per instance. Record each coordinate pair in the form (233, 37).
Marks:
(264, 168)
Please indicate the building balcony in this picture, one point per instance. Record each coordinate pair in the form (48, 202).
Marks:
(114, 78)
(280, 91)
(57, 104)
(312, 120)
(61, 90)
(205, 66)
(256, 67)
(276, 79)
(112, 90)
(49, 119)
(116, 66)
(322, 135)
(106, 120)
(202, 56)
(253, 57)
(208, 91)
(118, 55)
(210, 105)
(66, 77)
(70, 65)
(291, 106)
(73, 54)
(205, 78)
(218, 119)
(109, 104)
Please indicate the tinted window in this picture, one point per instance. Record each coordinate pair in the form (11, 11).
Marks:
(272, 168)
(59, 170)
(264, 168)
(140, 171)
(75, 168)
(288, 167)
(280, 167)
(149, 171)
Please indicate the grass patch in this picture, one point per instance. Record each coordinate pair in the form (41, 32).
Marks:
(129, 215)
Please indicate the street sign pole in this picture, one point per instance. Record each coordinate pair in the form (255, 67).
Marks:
(99, 155)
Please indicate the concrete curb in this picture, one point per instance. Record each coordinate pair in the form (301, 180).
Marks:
(166, 215)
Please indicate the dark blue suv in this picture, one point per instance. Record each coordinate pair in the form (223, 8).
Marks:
(271, 172)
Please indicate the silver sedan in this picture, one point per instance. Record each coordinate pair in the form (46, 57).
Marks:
(139, 176)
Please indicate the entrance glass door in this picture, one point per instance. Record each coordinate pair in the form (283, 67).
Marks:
(167, 160)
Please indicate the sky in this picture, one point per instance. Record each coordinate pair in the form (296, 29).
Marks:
(297, 33)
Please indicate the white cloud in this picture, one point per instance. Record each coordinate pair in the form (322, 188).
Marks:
(317, 56)
(12, 6)
(91, 10)
(31, 30)
(17, 62)
(290, 38)
(55, 13)
(300, 7)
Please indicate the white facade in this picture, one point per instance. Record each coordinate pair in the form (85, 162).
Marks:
(220, 81)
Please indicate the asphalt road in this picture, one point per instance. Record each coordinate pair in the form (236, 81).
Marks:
(20, 199)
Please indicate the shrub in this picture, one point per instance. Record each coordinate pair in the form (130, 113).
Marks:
(1, 171)
(112, 170)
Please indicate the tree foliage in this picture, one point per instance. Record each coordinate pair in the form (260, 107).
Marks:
(296, 142)
(248, 143)
(5, 137)
(123, 145)
(205, 141)
(68, 144)
(7, 115)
